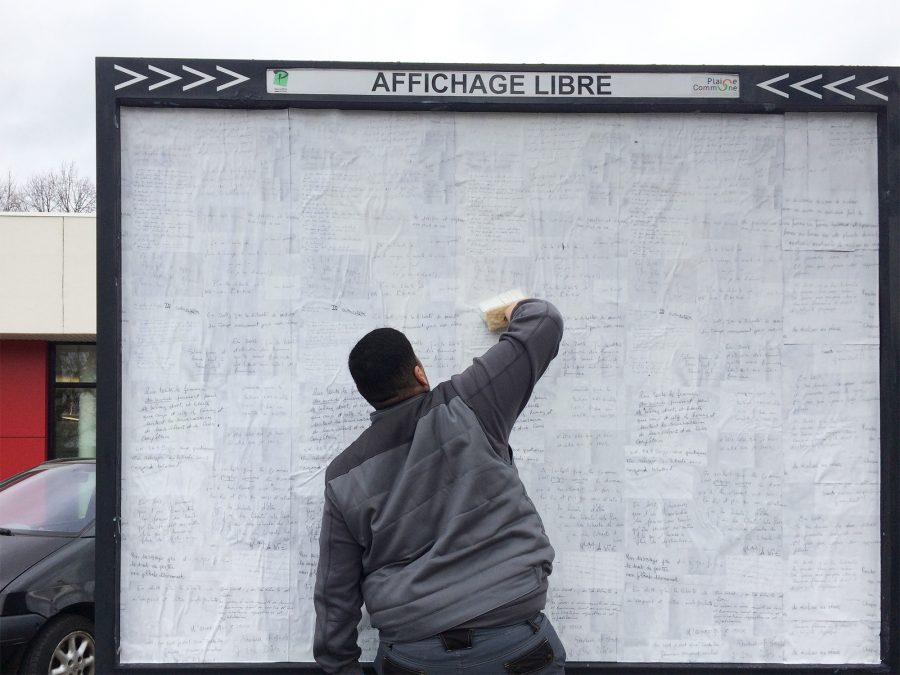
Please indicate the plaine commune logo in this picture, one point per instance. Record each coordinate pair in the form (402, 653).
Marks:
(718, 84)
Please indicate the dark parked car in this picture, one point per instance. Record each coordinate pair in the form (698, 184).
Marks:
(47, 569)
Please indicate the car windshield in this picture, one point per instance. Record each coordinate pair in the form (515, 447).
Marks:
(57, 498)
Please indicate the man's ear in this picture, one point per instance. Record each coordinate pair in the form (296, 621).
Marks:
(419, 373)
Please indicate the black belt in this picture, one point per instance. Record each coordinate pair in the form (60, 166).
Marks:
(461, 638)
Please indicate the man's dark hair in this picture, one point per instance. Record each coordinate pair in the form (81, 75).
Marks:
(382, 364)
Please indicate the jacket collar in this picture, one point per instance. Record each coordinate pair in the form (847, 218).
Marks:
(405, 402)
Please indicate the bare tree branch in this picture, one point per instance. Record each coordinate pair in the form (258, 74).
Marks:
(10, 195)
(63, 178)
(61, 190)
(40, 192)
(85, 196)
(74, 193)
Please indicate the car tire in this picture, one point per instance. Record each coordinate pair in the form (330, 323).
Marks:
(67, 641)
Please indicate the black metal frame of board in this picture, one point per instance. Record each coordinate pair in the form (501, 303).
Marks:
(195, 83)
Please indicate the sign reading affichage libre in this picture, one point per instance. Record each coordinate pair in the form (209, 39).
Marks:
(501, 84)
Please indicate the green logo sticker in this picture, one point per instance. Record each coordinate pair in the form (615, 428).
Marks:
(280, 78)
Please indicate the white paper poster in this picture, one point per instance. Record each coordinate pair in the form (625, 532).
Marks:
(704, 451)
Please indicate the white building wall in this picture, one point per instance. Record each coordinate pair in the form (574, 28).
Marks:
(48, 276)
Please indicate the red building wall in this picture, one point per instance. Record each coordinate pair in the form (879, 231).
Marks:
(23, 405)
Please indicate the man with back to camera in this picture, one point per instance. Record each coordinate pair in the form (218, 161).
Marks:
(427, 521)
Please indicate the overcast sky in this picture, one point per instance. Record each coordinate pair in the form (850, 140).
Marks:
(47, 47)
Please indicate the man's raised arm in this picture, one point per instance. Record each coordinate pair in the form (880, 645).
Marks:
(498, 384)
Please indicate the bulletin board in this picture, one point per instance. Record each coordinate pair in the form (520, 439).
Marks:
(714, 450)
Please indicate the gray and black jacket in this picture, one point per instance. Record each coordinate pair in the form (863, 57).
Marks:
(425, 516)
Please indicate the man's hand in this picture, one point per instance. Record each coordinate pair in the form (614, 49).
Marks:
(509, 310)
(497, 311)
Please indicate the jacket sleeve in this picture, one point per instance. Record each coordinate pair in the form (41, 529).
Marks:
(498, 384)
(338, 595)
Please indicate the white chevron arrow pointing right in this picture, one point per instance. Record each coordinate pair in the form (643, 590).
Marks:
(204, 78)
(238, 78)
(137, 77)
(169, 80)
